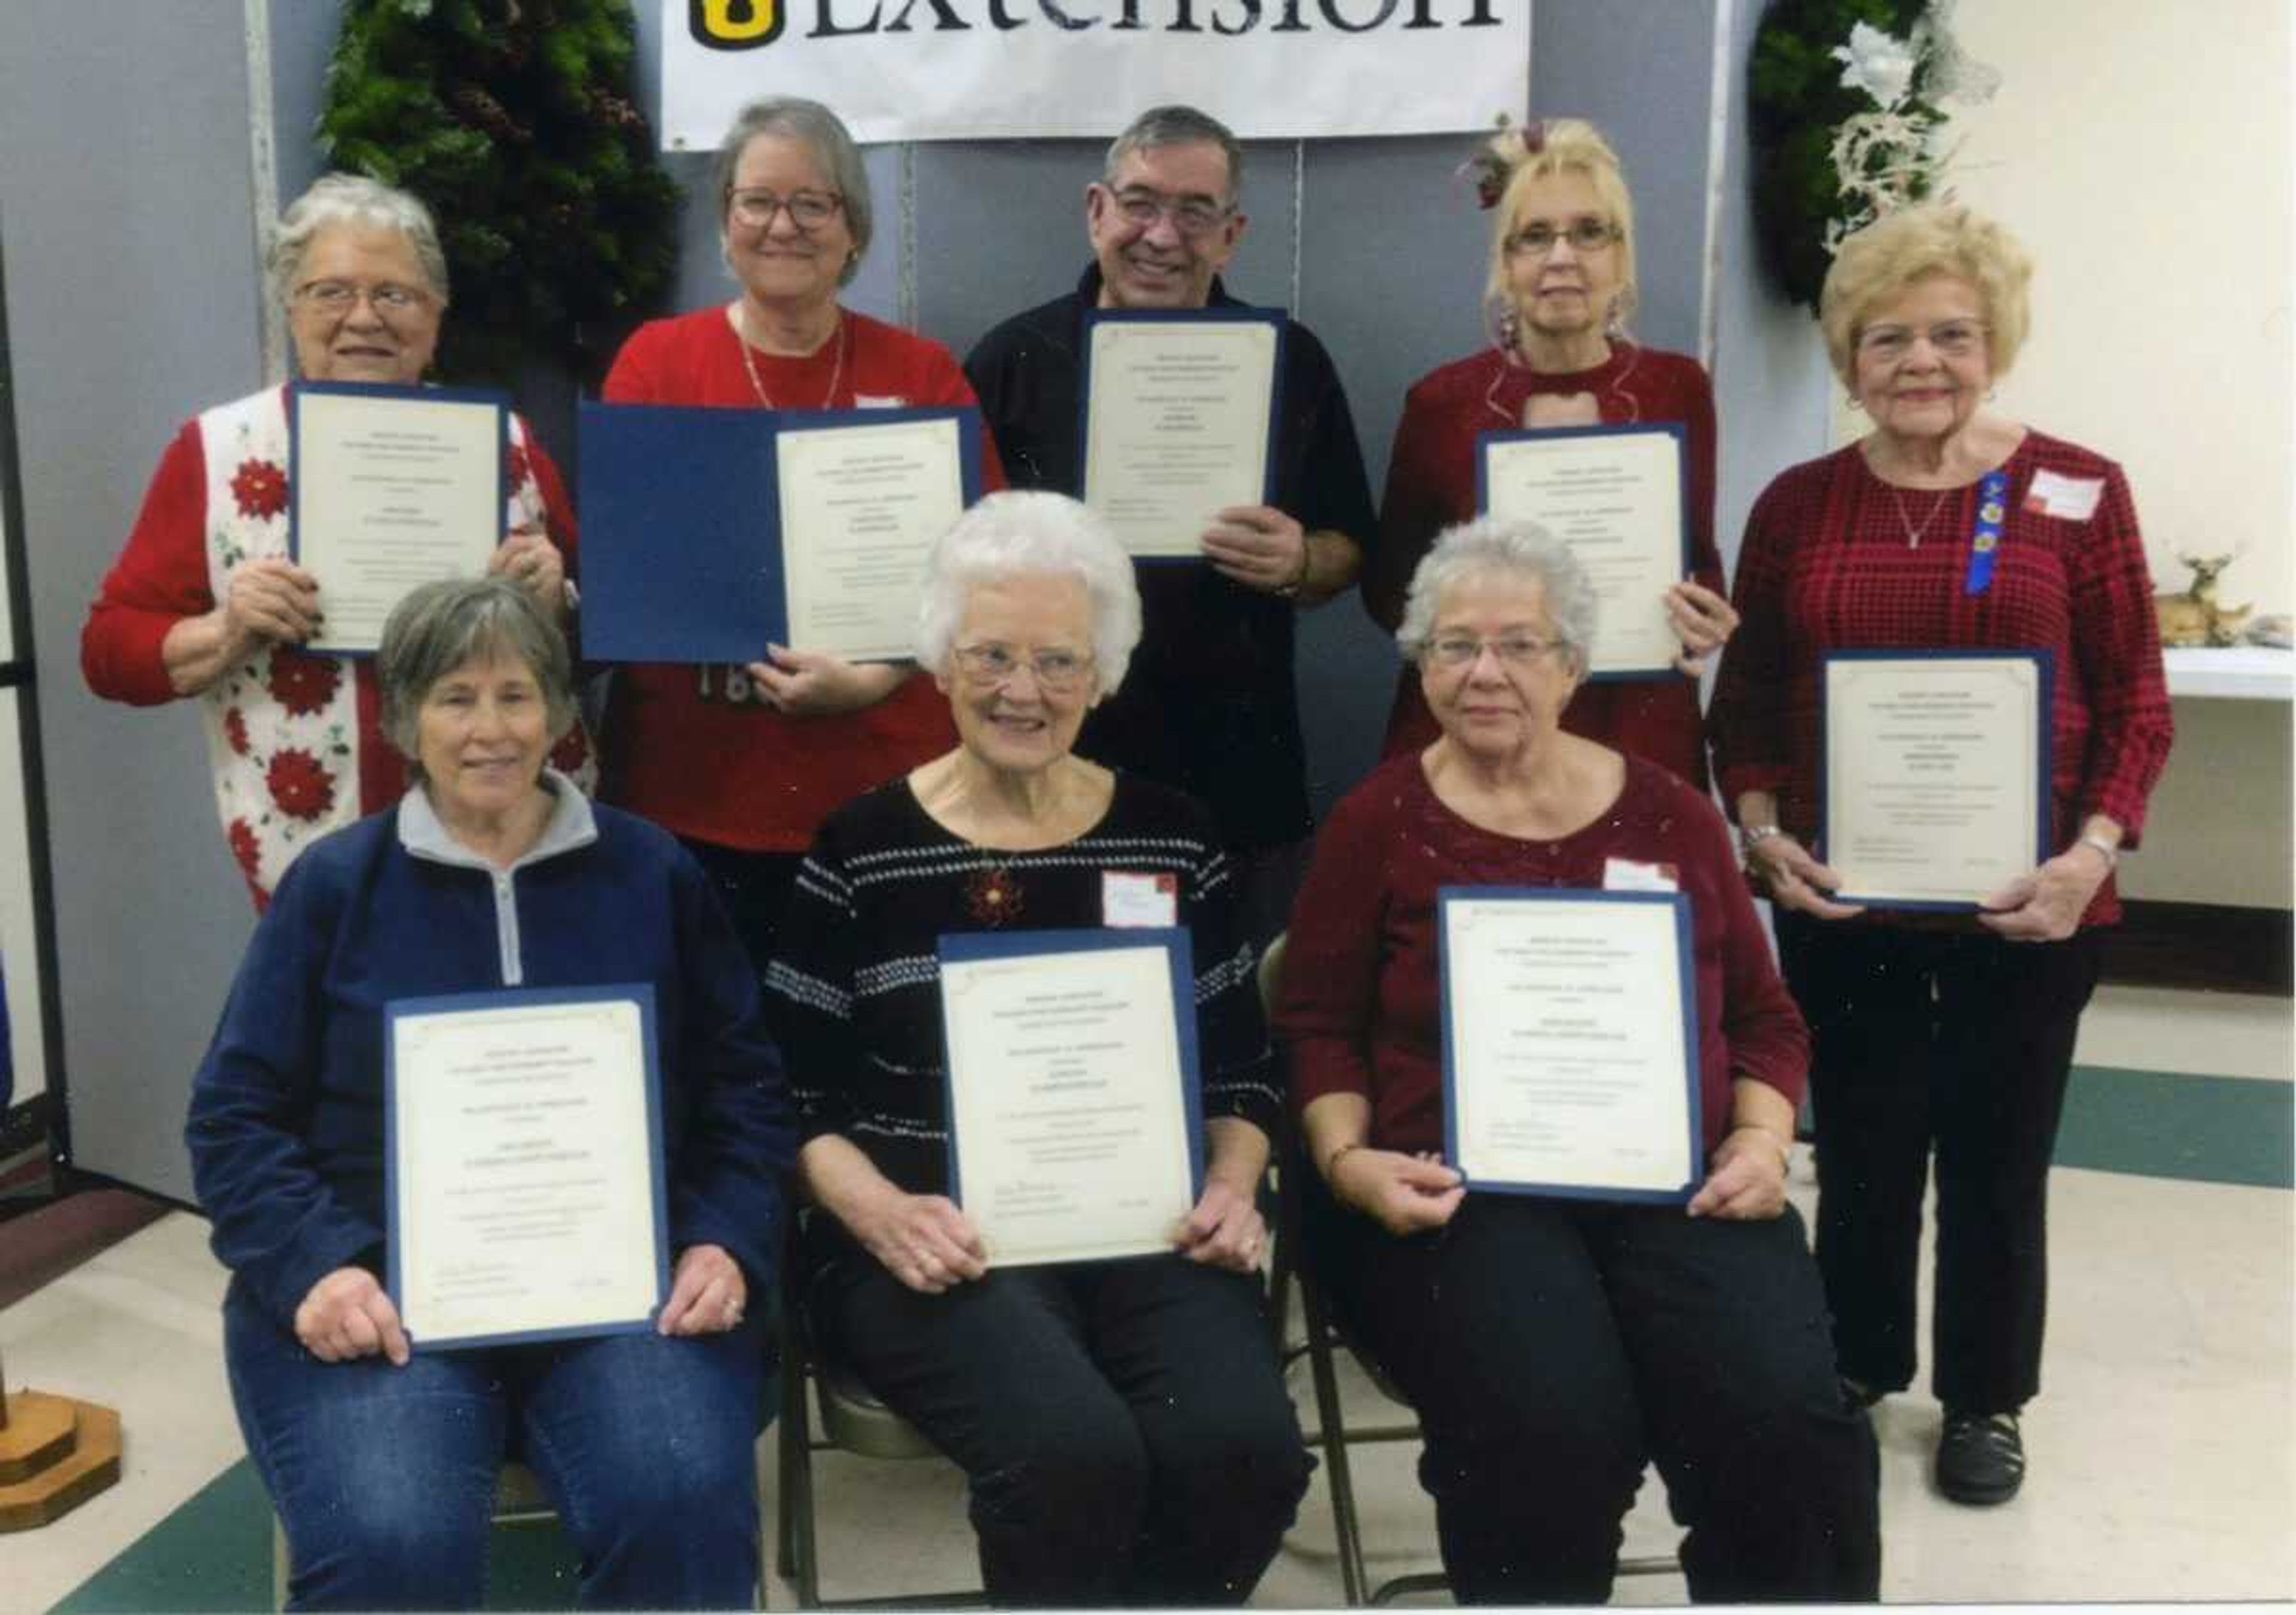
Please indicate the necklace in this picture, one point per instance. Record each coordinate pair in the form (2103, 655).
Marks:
(992, 896)
(756, 384)
(1914, 533)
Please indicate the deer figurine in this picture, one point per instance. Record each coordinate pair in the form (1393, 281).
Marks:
(2194, 617)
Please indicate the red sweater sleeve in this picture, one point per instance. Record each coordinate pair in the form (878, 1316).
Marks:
(2117, 647)
(1411, 510)
(1748, 721)
(1698, 416)
(1329, 995)
(159, 579)
(557, 509)
(1769, 1039)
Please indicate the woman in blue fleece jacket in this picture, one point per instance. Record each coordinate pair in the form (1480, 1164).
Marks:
(492, 872)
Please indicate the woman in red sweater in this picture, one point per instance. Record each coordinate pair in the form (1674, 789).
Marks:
(1946, 526)
(743, 763)
(1561, 292)
(1551, 1345)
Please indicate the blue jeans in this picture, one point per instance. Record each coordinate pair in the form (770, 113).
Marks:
(384, 1478)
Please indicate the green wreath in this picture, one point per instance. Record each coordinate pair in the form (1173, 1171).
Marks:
(1799, 109)
(514, 120)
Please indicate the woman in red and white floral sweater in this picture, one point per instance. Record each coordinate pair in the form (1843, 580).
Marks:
(204, 600)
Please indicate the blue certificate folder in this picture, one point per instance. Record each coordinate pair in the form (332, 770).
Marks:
(395, 1188)
(1228, 314)
(681, 524)
(1693, 1145)
(384, 396)
(2044, 662)
(964, 946)
(1485, 442)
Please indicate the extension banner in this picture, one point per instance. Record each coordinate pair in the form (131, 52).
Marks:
(994, 70)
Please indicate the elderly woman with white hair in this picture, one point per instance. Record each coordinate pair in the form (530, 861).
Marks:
(205, 599)
(1949, 526)
(742, 762)
(1123, 1423)
(1552, 1346)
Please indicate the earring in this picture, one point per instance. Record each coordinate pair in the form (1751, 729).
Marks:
(1510, 328)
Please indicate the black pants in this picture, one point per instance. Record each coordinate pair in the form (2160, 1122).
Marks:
(1554, 1346)
(754, 887)
(1123, 1424)
(1961, 1044)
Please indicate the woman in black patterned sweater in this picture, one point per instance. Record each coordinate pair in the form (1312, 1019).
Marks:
(1123, 1422)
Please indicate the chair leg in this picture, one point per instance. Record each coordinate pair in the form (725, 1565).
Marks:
(1332, 1432)
(280, 1566)
(798, 1562)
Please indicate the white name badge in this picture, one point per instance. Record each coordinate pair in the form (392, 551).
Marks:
(2070, 498)
(1625, 874)
(1135, 900)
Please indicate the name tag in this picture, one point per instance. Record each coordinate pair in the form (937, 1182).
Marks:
(1624, 874)
(1139, 899)
(2068, 499)
(869, 401)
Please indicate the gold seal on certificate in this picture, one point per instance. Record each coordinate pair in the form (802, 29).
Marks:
(525, 1187)
(1179, 416)
(1570, 1042)
(394, 486)
(861, 503)
(1937, 774)
(1072, 1114)
(1615, 493)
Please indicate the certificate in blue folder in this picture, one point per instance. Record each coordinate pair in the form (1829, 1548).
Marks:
(1075, 1122)
(1570, 1049)
(1617, 496)
(1177, 414)
(523, 1165)
(707, 534)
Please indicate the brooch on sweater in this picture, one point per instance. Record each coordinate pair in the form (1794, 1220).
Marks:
(992, 896)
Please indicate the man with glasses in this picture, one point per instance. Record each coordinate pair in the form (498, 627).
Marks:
(1208, 706)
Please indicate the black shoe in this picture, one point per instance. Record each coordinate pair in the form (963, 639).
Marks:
(1980, 1459)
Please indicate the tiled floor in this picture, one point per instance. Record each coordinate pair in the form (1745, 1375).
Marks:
(2161, 1447)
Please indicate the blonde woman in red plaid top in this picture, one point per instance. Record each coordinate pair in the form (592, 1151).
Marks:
(1947, 1035)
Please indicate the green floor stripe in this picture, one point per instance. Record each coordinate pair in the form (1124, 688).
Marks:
(214, 1553)
(2166, 1123)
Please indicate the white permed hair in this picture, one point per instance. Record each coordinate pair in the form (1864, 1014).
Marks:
(1496, 546)
(1015, 533)
(352, 199)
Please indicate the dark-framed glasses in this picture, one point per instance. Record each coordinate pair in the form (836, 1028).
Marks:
(1189, 215)
(808, 211)
(1584, 234)
(1513, 650)
(1953, 338)
(991, 664)
(387, 298)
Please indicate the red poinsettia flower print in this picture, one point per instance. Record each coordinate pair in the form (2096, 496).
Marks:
(299, 785)
(260, 487)
(244, 851)
(301, 684)
(570, 753)
(234, 730)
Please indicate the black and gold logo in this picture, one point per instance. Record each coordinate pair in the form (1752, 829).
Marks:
(735, 25)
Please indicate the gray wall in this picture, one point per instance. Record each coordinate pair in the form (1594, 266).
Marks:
(128, 317)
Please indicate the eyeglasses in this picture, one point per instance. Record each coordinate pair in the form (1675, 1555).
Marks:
(808, 211)
(1513, 650)
(389, 299)
(1953, 338)
(1585, 235)
(1189, 215)
(991, 665)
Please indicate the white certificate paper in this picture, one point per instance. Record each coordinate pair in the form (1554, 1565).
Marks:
(1179, 413)
(1937, 770)
(860, 507)
(1613, 494)
(525, 1193)
(1072, 1095)
(394, 488)
(1570, 1042)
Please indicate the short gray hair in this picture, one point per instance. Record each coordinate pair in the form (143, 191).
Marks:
(441, 625)
(821, 132)
(1018, 532)
(1498, 546)
(1178, 126)
(352, 199)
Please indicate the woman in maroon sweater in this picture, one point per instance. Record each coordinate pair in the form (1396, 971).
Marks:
(1552, 1346)
(1561, 292)
(1947, 526)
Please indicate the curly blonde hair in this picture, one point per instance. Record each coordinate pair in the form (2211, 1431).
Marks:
(1543, 151)
(1881, 261)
